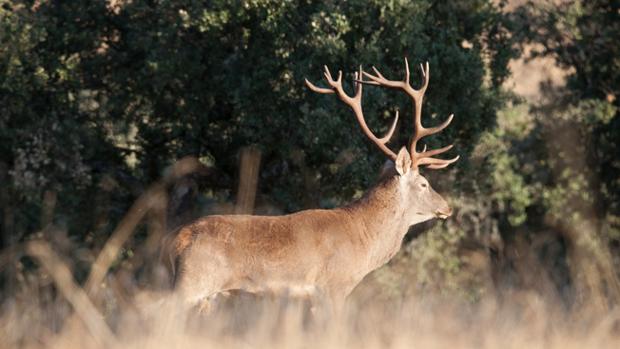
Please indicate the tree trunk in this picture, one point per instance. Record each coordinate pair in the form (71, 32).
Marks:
(248, 180)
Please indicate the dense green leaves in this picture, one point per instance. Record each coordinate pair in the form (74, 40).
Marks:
(91, 92)
(583, 37)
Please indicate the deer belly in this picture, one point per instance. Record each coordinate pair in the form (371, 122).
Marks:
(285, 289)
(295, 279)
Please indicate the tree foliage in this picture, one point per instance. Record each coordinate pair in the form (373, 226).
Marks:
(548, 170)
(98, 96)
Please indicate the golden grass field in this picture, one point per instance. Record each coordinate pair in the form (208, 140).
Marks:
(38, 316)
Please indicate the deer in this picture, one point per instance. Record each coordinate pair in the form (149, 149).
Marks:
(319, 253)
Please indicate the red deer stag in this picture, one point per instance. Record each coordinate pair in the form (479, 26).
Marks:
(323, 253)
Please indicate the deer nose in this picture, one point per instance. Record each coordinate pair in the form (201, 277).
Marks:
(444, 213)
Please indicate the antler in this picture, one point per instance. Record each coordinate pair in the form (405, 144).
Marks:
(425, 157)
(355, 103)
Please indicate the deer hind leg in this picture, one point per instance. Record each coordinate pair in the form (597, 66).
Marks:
(209, 304)
(202, 273)
(198, 291)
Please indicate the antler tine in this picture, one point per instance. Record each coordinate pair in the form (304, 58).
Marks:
(390, 132)
(316, 89)
(322, 90)
(407, 73)
(425, 69)
(356, 83)
(434, 152)
(355, 103)
(423, 131)
(378, 79)
(443, 164)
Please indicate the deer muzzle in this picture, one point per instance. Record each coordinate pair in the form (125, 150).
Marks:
(443, 213)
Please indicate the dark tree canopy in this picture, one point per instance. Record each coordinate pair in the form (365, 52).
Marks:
(93, 95)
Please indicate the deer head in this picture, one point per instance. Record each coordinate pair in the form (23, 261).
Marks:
(421, 202)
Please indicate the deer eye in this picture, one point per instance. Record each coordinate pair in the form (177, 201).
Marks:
(424, 185)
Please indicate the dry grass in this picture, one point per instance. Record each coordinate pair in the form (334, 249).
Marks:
(33, 320)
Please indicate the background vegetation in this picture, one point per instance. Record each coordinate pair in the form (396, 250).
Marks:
(98, 100)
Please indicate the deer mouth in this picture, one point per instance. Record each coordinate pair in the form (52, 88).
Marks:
(443, 214)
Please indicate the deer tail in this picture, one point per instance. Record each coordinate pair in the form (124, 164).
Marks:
(178, 242)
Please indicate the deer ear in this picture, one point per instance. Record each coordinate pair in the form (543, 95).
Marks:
(403, 161)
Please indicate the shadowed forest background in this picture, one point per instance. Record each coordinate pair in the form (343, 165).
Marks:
(99, 100)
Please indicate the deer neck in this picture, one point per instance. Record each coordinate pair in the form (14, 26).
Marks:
(383, 214)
